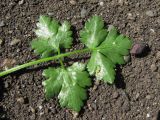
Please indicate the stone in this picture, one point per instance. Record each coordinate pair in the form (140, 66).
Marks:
(75, 114)
(2, 23)
(148, 97)
(21, 2)
(137, 96)
(72, 2)
(110, 27)
(20, 100)
(14, 41)
(149, 13)
(127, 58)
(130, 16)
(101, 3)
(32, 109)
(139, 48)
(1, 41)
(115, 95)
(83, 13)
(158, 55)
(154, 68)
(6, 85)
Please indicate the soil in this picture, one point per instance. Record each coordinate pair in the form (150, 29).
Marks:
(136, 93)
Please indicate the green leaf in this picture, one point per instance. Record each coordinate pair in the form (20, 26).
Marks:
(115, 46)
(108, 48)
(69, 84)
(46, 27)
(51, 36)
(63, 37)
(93, 33)
(102, 67)
(42, 47)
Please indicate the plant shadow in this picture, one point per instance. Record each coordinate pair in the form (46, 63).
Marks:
(3, 114)
(158, 116)
(119, 79)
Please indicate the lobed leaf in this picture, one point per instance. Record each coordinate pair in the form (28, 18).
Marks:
(93, 33)
(108, 47)
(46, 27)
(51, 36)
(102, 67)
(42, 47)
(115, 46)
(69, 84)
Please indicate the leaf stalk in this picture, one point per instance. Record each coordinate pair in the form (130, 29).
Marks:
(19, 67)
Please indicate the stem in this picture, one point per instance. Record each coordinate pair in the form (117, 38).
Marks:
(19, 67)
(60, 59)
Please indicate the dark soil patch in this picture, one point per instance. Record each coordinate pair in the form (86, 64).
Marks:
(136, 94)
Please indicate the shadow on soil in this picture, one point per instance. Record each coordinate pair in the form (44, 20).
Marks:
(158, 116)
(119, 80)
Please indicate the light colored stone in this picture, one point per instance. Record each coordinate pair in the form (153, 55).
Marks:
(20, 100)
(101, 3)
(2, 23)
(83, 12)
(148, 97)
(14, 41)
(149, 13)
(1, 41)
(72, 2)
(158, 55)
(153, 68)
(127, 58)
(21, 2)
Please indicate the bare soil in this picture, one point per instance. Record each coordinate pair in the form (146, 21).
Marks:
(136, 93)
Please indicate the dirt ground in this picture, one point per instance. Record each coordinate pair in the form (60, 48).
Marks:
(136, 94)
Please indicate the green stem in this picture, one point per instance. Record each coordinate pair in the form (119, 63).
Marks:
(60, 59)
(19, 67)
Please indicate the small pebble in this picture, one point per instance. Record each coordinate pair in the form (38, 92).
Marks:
(127, 58)
(115, 95)
(153, 68)
(101, 3)
(40, 107)
(20, 100)
(138, 48)
(137, 96)
(1, 41)
(148, 97)
(41, 113)
(14, 41)
(50, 13)
(6, 84)
(130, 16)
(89, 107)
(32, 109)
(72, 2)
(83, 12)
(75, 114)
(21, 2)
(149, 13)
(158, 55)
(110, 27)
(148, 115)
(2, 23)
